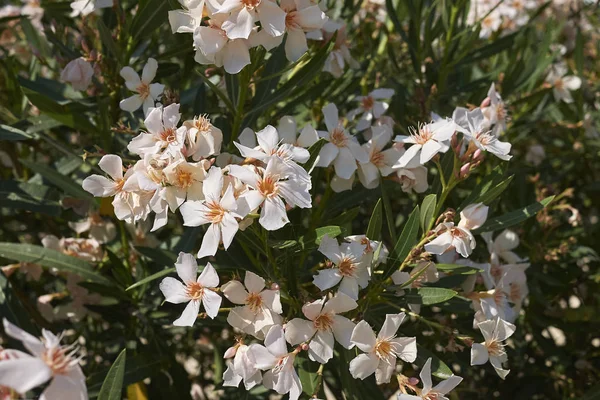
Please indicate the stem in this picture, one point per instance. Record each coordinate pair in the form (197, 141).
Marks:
(319, 381)
(125, 244)
(244, 79)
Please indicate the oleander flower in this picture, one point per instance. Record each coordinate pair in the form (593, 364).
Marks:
(147, 93)
(430, 392)
(475, 129)
(78, 73)
(163, 135)
(427, 140)
(495, 332)
(371, 107)
(562, 85)
(86, 7)
(243, 14)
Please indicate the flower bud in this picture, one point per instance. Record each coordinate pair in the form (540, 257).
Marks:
(413, 381)
(78, 73)
(473, 216)
(464, 170)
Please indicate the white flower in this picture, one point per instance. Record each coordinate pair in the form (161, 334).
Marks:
(562, 85)
(243, 14)
(270, 145)
(279, 363)
(381, 352)
(288, 133)
(189, 18)
(270, 187)
(301, 17)
(337, 59)
(340, 185)
(242, 367)
(342, 150)
(324, 324)
(380, 161)
(459, 237)
(99, 228)
(413, 179)
(494, 111)
(185, 182)
(48, 361)
(214, 47)
(502, 246)
(219, 212)
(78, 73)
(86, 7)
(163, 134)
(371, 247)
(203, 138)
(495, 332)
(427, 140)
(261, 307)
(430, 392)
(473, 125)
(370, 107)
(86, 249)
(350, 267)
(147, 93)
(192, 291)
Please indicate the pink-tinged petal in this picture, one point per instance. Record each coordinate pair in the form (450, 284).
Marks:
(287, 129)
(440, 244)
(209, 278)
(327, 278)
(328, 153)
(230, 379)
(228, 201)
(299, 330)
(68, 387)
(296, 386)
(430, 149)
(181, 21)
(384, 371)
(187, 267)
(262, 357)
(391, 325)
(174, 291)
(349, 286)
(405, 348)
(330, 112)
(235, 56)
(369, 175)
(241, 318)
(193, 213)
(275, 341)
(479, 354)
(363, 366)
(272, 18)
(310, 18)
(149, 71)
(249, 201)
(272, 300)
(210, 241)
(131, 103)
(504, 330)
(308, 137)
(344, 164)
(189, 315)
(295, 45)
(313, 309)
(342, 330)
(358, 152)
(23, 374)
(340, 303)
(209, 40)
(156, 90)
(572, 82)
(229, 227)
(235, 292)
(363, 337)
(211, 302)
(253, 282)
(320, 348)
(497, 364)
(239, 24)
(30, 342)
(273, 215)
(99, 186)
(112, 165)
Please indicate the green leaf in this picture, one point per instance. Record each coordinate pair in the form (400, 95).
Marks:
(159, 256)
(30, 197)
(427, 210)
(429, 295)
(314, 151)
(12, 134)
(11, 307)
(375, 223)
(307, 371)
(152, 277)
(406, 241)
(107, 39)
(51, 259)
(458, 269)
(68, 185)
(151, 15)
(307, 241)
(113, 383)
(514, 217)
(389, 212)
(438, 368)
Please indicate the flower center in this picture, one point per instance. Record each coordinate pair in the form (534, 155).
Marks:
(202, 123)
(58, 358)
(377, 158)
(254, 301)
(515, 292)
(168, 135)
(457, 233)
(383, 348)
(347, 267)
(367, 103)
(251, 4)
(194, 290)
(494, 347)
(421, 135)
(338, 137)
(485, 138)
(120, 184)
(500, 112)
(184, 178)
(215, 212)
(323, 322)
(496, 271)
(268, 186)
(431, 396)
(144, 90)
(559, 84)
(290, 20)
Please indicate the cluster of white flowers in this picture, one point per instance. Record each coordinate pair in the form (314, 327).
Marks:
(500, 15)
(231, 30)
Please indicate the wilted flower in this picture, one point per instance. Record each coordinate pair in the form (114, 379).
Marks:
(78, 73)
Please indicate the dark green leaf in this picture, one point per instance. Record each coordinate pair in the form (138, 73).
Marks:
(30, 197)
(405, 243)
(438, 368)
(113, 383)
(68, 185)
(427, 211)
(152, 277)
(12, 134)
(514, 217)
(429, 295)
(375, 223)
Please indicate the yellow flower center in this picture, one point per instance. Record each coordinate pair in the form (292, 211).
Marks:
(215, 212)
(254, 301)
(494, 347)
(347, 267)
(144, 90)
(323, 322)
(267, 186)
(194, 290)
(184, 178)
(422, 134)
(383, 348)
(338, 137)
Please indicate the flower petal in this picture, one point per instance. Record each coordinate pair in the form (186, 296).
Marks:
(299, 330)
(174, 291)
(364, 337)
(187, 267)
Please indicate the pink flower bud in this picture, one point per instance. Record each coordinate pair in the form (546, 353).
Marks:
(464, 170)
(486, 102)
(473, 216)
(413, 381)
(304, 346)
(78, 73)
(274, 286)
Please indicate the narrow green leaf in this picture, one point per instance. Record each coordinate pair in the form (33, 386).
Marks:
(438, 368)
(389, 213)
(51, 259)
(458, 269)
(12, 134)
(151, 278)
(429, 295)
(159, 256)
(314, 151)
(151, 15)
(427, 209)
(29, 197)
(514, 217)
(68, 185)
(113, 383)
(406, 241)
(307, 371)
(11, 307)
(375, 223)
(107, 39)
